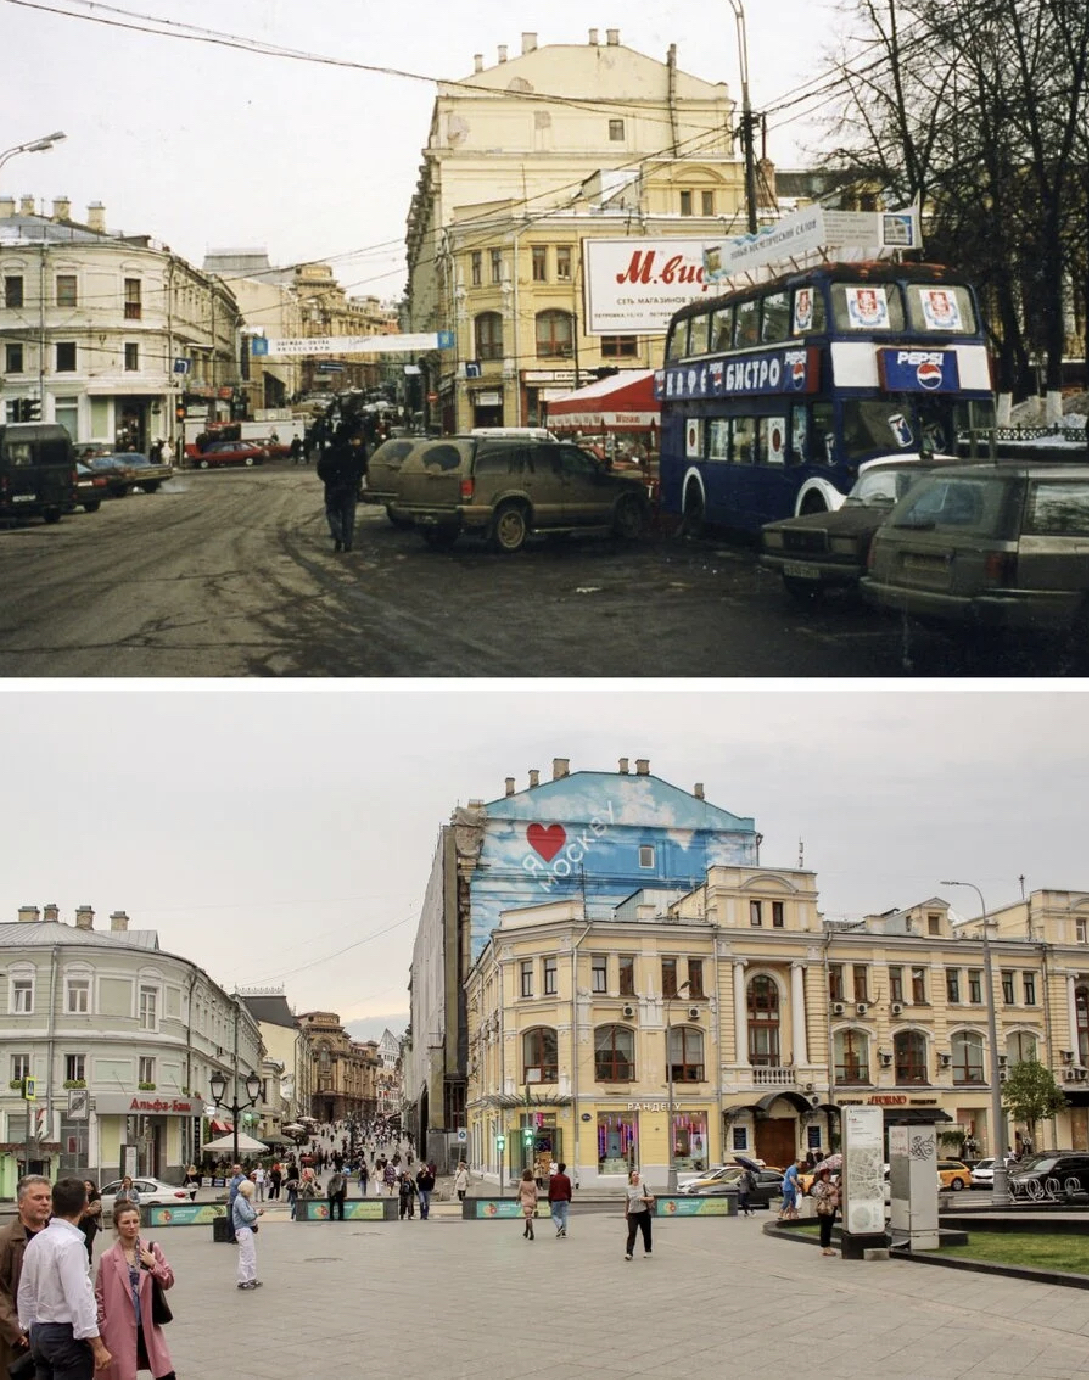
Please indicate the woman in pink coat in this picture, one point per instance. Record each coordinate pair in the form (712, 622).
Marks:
(123, 1293)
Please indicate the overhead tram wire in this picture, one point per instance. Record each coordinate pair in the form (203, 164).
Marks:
(327, 958)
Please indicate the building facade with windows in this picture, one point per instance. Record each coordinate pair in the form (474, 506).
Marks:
(590, 837)
(766, 1018)
(108, 1014)
(527, 159)
(285, 1043)
(109, 334)
(342, 1070)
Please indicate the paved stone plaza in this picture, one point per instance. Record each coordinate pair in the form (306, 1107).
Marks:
(450, 1299)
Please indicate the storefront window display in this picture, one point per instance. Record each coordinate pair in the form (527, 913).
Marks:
(617, 1142)
(690, 1140)
(541, 1147)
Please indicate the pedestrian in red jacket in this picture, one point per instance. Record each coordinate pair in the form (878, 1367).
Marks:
(559, 1196)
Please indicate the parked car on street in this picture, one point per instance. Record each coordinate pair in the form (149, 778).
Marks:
(1058, 1174)
(819, 550)
(146, 473)
(768, 1186)
(509, 487)
(983, 1172)
(37, 471)
(954, 1174)
(116, 470)
(151, 1191)
(90, 489)
(994, 548)
(221, 453)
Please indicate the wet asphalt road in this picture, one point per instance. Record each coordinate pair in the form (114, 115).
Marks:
(232, 573)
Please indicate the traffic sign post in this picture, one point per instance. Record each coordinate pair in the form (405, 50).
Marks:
(500, 1145)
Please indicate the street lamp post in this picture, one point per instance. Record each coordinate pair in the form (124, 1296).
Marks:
(1000, 1190)
(746, 106)
(218, 1085)
(33, 146)
(672, 1171)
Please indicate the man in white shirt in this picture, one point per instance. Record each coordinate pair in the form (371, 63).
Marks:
(56, 1301)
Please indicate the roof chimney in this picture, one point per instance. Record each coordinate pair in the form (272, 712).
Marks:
(119, 920)
(561, 767)
(7, 207)
(642, 766)
(26, 206)
(478, 62)
(28, 915)
(534, 779)
(697, 790)
(623, 766)
(593, 38)
(85, 918)
(96, 217)
(62, 208)
(502, 52)
(52, 914)
(612, 37)
(529, 42)
(508, 782)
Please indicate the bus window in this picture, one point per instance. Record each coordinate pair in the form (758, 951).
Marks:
(808, 312)
(747, 330)
(946, 309)
(678, 341)
(876, 425)
(722, 330)
(719, 441)
(698, 327)
(776, 324)
(799, 436)
(746, 438)
(867, 307)
(821, 434)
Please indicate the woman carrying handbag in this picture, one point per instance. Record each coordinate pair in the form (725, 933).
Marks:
(133, 1277)
(637, 1205)
(826, 1195)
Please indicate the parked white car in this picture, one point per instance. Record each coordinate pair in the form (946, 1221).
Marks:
(151, 1191)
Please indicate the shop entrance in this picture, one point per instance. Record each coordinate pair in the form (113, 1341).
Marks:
(488, 409)
(132, 424)
(777, 1140)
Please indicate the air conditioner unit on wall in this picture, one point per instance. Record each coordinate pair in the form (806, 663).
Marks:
(628, 1011)
(814, 1100)
(862, 1008)
(693, 1013)
(897, 1008)
(837, 1008)
(1071, 1075)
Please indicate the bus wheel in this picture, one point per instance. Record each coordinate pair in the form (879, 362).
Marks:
(813, 503)
(52, 515)
(692, 522)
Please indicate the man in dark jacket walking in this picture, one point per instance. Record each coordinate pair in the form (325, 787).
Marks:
(559, 1198)
(34, 1204)
(340, 470)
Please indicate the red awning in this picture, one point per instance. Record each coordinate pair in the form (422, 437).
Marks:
(221, 1128)
(621, 402)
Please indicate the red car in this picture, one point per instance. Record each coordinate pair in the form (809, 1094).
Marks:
(229, 453)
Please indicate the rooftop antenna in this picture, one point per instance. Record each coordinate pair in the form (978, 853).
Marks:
(801, 856)
(1021, 879)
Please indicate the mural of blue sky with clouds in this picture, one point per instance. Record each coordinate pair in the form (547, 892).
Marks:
(587, 834)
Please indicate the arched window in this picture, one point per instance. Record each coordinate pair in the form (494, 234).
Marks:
(555, 335)
(909, 1048)
(614, 1054)
(1081, 1007)
(540, 1055)
(489, 335)
(1021, 1047)
(967, 1057)
(686, 1054)
(762, 1005)
(852, 1049)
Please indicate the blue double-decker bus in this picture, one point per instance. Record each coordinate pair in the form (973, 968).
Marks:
(772, 397)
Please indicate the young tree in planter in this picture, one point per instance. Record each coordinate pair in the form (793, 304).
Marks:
(1030, 1094)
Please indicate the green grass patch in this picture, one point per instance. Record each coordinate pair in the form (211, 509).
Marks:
(1069, 1253)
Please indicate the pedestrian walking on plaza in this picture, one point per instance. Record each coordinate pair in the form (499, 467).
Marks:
(125, 1294)
(789, 1209)
(389, 1174)
(340, 469)
(91, 1219)
(296, 449)
(245, 1215)
(33, 1204)
(407, 1191)
(363, 1176)
(425, 1182)
(127, 1193)
(637, 1206)
(291, 1188)
(461, 1180)
(559, 1198)
(56, 1302)
(826, 1195)
(745, 1185)
(237, 1179)
(275, 1178)
(259, 1182)
(336, 1190)
(527, 1194)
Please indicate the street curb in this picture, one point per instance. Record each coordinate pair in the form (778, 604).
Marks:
(986, 1267)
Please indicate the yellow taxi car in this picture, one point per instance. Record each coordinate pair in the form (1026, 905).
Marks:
(955, 1175)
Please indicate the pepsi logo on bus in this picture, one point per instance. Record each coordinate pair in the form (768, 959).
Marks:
(929, 374)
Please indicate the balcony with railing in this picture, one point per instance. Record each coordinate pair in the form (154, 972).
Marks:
(767, 1077)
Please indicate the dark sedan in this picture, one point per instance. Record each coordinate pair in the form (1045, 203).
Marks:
(90, 489)
(116, 470)
(147, 473)
(822, 549)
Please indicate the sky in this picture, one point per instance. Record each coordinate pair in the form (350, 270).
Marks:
(286, 837)
(206, 147)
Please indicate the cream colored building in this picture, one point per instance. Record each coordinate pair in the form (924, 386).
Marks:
(779, 1019)
(270, 307)
(527, 159)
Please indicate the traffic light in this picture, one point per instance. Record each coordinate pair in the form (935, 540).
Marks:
(527, 1135)
(500, 1142)
(32, 410)
(28, 1090)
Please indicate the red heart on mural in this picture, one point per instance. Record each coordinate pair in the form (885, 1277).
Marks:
(547, 842)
